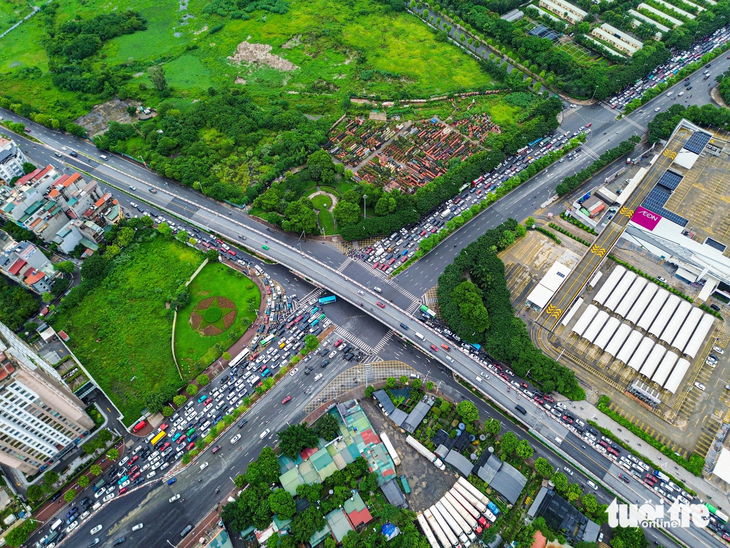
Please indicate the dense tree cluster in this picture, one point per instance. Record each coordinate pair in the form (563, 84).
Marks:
(506, 338)
(295, 438)
(17, 304)
(593, 79)
(663, 124)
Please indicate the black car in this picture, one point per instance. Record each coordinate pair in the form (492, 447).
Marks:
(186, 531)
(242, 423)
(308, 370)
(119, 541)
(325, 363)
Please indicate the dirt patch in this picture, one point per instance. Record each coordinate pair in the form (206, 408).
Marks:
(239, 81)
(225, 303)
(260, 54)
(196, 320)
(201, 31)
(293, 42)
(229, 318)
(97, 121)
(205, 303)
(211, 331)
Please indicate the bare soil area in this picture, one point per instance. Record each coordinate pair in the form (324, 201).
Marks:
(97, 121)
(260, 54)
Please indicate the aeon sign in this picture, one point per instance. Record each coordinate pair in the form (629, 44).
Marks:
(645, 218)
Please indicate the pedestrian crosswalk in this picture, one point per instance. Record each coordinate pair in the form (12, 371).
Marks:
(343, 333)
(313, 295)
(413, 307)
(344, 264)
(374, 358)
(381, 344)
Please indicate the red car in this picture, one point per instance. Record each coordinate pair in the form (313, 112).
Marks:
(216, 449)
(190, 445)
(139, 426)
(134, 459)
(381, 305)
(122, 490)
(423, 233)
(286, 400)
(589, 124)
(404, 259)
(208, 401)
(231, 252)
(164, 446)
(338, 343)
(135, 476)
(164, 426)
(182, 439)
(376, 265)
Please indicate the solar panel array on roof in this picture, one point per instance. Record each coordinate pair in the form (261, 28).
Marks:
(543, 32)
(670, 180)
(655, 201)
(697, 142)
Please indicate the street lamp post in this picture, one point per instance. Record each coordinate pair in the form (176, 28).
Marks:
(364, 205)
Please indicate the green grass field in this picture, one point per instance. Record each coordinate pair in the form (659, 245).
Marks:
(327, 222)
(195, 351)
(400, 53)
(121, 331)
(322, 201)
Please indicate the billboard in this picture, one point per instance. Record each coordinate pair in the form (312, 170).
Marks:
(645, 218)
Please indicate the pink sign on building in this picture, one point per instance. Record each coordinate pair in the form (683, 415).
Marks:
(645, 218)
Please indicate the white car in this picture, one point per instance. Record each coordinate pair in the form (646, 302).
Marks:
(125, 483)
(74, 525)
(85, 515)
(700, 386)
(204, 465)
(657, 109)
(151, 474)
(99, 493)
(97, 529)
(718, 349)
(109, 497)
(235, 438)
(294, 371)
(568, 470)
(174, 498)
(479, 379)
(138, 527)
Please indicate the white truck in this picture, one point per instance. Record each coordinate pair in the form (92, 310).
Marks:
(473, 490)
(468, 497)
(391, 448)
(446, 213)
(456, 516)
(427, 531)
(419, 447)
(448, 531)
(451, 522)
(443, 538)
(470, 520)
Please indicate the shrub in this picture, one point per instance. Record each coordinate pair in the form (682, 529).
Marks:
(191, 389)
(548, 233)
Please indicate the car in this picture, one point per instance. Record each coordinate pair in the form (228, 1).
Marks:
(189, 446)
(73, 153)
(235, 438)
(718, 350)
(186, 530)
(592, 485)
(624, 478)
(119, 541)
(122, 490)
(97, 529)
(568, 470)
(242, 423)
(657, 109)
(663, 280)
(338, 343)
(173, 498)
(109, 497)
(600, 537)
(151, 474)
(137, 427)
(138, 527)
(124, 484)
(202, 398)
(171, 481)
(286, 400)
(324, 364)
(94, 542)
(381, 305)
(208, 401)
(433, 347)
(216, 449)
(715, 307)
(294, 372)
(699, 386)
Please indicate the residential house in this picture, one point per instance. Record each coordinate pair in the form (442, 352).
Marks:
(26, 264)
(11, 160)
(564, 10)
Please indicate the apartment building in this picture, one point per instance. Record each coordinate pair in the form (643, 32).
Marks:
(54, 205)
(564, 10)
(11, 160)
(617, 39)
(40, 418)
(24, 263)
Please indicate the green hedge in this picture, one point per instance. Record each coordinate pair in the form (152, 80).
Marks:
(572, 220)
(548, 233)
(693, 465)
(709, 310)
(568, 234)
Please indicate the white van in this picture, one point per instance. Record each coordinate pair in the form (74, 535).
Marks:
(264, 434)
(377, 290)
(317, 377)
(56, 524)
(104, 157)
(419, 335)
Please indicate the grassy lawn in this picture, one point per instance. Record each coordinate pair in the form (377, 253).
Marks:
(327, 222)
(196, 351)
(121, 330)
(322, 201)
(400, 51)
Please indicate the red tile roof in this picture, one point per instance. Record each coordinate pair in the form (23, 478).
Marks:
(17, 267)
(75, 177)
(53, 193)
(34, 277)
(100, 201)
(27, 178)
(63, 335)
(359, 518)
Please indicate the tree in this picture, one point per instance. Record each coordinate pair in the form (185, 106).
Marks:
(47, 297)
(319, 163)
(429, 386)
(66, 267)
(326, 427)
(105, 436)
(403, 380)
(125, 236)
(629, 537)
(574, 492)
(35, 492)
(179, 400)
(509, 444)
(590, 502)
(543, 467)
(295, 438)
(416, 384)
(467, 411)
(17, 536)
(468, 298)
(84, 482)
(390, 382)
(263, 470)
(202, 379)
(369, 390)
(530, 222)
(166, 231)
(305, 524)
(69, 495)
(167, 411)
(300, 217)
(49, 479)
(212, 255)
(282, 504)
(28, 168)
(112, 454)
(524, 450)
(560, 481)
(95, 470)
(346, 213)
(311, 342)
(157, 77)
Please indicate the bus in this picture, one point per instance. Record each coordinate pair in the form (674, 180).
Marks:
(158, 437)
(464, 187)
(327, 300)
(533, 143)
(427, 311)
(238, 359)
(266, 340)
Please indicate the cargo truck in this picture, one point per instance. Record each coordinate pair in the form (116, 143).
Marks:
(443, 539)
(456, 516)
(418, 446)
(471, 499)
(470, 520)
(451, 522)
(427, 531)
(473, 490)
(391, 448)
(448, 532)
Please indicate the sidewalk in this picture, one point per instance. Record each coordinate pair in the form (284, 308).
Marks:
(704, 489)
